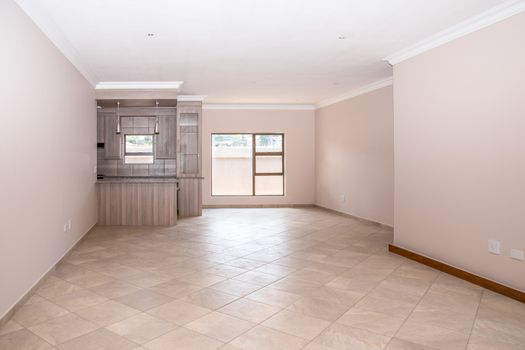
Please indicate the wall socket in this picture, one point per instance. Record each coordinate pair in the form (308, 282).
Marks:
(516, 254)
(494, 246)
(343, 198)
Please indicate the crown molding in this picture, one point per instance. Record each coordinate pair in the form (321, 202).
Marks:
(246, 106)
(191, 98)
(354, 93)
(55, 35)
(139, 85)
(485, 19)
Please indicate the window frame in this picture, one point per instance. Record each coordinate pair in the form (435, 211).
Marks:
(254, 165)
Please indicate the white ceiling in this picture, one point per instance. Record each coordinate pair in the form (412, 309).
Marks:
(248, 51)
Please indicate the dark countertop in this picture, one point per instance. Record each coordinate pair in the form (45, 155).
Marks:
(137, 179)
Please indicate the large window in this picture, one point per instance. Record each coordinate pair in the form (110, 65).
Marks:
(138, 149)
(247, 164)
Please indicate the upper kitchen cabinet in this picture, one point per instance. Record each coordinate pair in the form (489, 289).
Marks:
(112, 140)
(166, 143)
(189, 115)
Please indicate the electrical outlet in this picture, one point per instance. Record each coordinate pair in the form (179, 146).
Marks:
(343, 198)
(494, 246)
(69, 225)
(65, 227)
(516, 254)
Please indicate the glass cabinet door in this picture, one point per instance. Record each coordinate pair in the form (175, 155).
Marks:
(189, 144)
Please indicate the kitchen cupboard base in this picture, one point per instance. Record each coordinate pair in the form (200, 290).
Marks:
(137, 204)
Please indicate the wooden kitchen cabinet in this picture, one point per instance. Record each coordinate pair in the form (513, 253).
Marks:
(112, 140)
(166, 140)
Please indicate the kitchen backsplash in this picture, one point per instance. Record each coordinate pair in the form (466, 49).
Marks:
(117, 167)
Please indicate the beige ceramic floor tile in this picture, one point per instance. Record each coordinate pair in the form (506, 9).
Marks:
(372, 321)
(141, 328)
(10, 326)
(257, 277)
(107, 313)
(274, 297)
(319, 308)
(341, 337)
(296, 324)
(144, 299)
(202, 279)
(432, 336)
(249, 310)
(262, 338)
(237, 288)
(114, 289)
(210, 298)
(64, 328)
(183, 339)
(399, 344)
(54, 287)
(22, 340)
(175, 288)
(220, 326)
(179, 312)
(78, 299)
(100, 339)
(33, 314)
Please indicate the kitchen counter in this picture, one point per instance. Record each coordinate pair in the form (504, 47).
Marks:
(137, 179)
(137, 201)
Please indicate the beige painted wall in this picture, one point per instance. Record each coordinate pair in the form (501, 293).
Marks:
(47, 154)
(355, 156)
(460, 151)
(298, 127)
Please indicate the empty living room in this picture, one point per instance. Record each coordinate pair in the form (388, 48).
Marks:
(262, 175)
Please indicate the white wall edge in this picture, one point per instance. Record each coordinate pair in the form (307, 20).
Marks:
(55, 35)
(485, 19)
(356, 92)
(211, 106)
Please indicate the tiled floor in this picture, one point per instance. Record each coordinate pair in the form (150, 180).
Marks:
(257, 279)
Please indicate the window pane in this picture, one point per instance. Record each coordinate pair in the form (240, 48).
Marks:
(268, 164)
(139, 144)
(268, 143)
(268, 185)
(231, 164)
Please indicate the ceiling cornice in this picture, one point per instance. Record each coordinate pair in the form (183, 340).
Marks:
(55, 35)
(139, 85)
(494, 15)
(356, 92)
(191, 98)
(246, 106)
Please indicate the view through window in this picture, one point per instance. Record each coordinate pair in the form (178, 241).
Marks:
(138, 149)
(248, 164)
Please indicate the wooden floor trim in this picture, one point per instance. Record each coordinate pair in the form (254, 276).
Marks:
(464, 275)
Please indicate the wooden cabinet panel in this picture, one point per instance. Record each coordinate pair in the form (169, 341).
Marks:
(100, 128)
(166, 140)
(137, 204)
(112, 140)
(190, 197)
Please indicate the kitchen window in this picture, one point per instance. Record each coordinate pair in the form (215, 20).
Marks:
(138, 149)
(248, 164)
